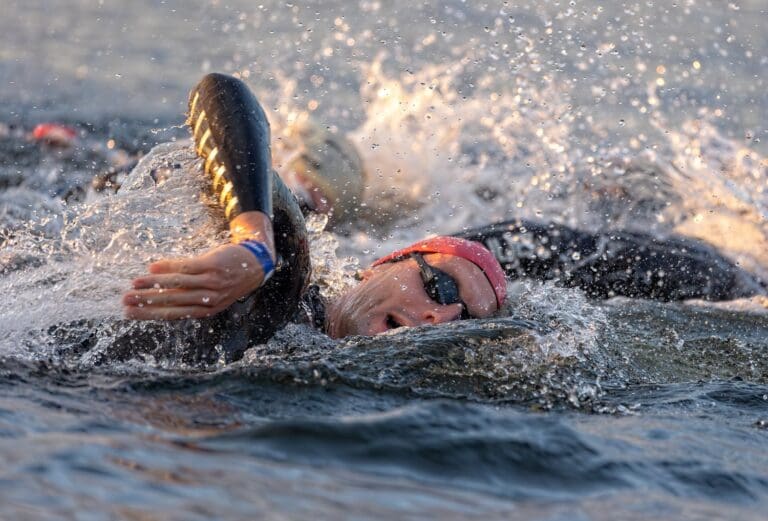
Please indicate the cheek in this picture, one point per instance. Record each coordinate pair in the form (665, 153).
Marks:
(356, 313)
(483, 311)
(376, 327)
(482, 308)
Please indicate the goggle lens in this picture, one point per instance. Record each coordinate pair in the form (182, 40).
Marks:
(441, 287)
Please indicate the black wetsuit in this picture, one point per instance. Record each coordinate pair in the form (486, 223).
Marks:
(615, 262)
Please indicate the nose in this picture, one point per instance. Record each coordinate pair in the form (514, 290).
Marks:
(442, 314)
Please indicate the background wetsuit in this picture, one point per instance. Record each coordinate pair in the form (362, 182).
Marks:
(614, 263)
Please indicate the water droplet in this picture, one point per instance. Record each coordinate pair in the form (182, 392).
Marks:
(206, 300)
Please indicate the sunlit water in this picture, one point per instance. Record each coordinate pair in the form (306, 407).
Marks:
(626, 115)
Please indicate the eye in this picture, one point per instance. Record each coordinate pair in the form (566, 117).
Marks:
(392, 323)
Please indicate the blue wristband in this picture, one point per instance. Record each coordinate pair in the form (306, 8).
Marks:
(260, 251)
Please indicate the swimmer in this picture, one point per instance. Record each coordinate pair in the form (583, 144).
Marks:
(259, 281)
(438, 280)
(322, 168)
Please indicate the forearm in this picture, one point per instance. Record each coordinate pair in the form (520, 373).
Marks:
(253, 225)
(231, 135)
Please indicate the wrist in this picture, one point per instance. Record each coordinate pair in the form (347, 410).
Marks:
(255, 226)
(262, 255)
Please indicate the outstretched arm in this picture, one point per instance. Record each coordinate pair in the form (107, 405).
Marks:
(231, 135)
(201, 286)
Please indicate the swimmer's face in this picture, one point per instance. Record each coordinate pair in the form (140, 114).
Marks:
(392, 295)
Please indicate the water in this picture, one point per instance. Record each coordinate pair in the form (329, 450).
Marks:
(630, 114)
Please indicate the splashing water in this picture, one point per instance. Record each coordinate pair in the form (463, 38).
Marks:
(448, 144)
(508, 151)
(84, 263)
(593, 114)
(442, 161)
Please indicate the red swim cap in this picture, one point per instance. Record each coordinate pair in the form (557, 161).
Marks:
(55, 134)
(474, 252)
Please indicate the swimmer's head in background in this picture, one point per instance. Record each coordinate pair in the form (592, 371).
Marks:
(325, 170)
(472, 251)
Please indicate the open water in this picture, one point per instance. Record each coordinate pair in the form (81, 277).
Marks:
(628, 114)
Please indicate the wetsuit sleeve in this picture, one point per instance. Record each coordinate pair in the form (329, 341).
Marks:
(231, 134)
(616, 262)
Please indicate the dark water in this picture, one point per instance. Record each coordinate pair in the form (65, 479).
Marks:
(251, 441)
(564, 409)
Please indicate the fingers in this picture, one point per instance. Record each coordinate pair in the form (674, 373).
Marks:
(172, 298)
(195, 287)
(176, 281)
(191, 266)
(170, 313)
(158, 304)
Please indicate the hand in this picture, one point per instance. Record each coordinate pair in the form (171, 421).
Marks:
(195, 287)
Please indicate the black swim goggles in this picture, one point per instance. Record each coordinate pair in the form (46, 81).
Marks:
(441, 287)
